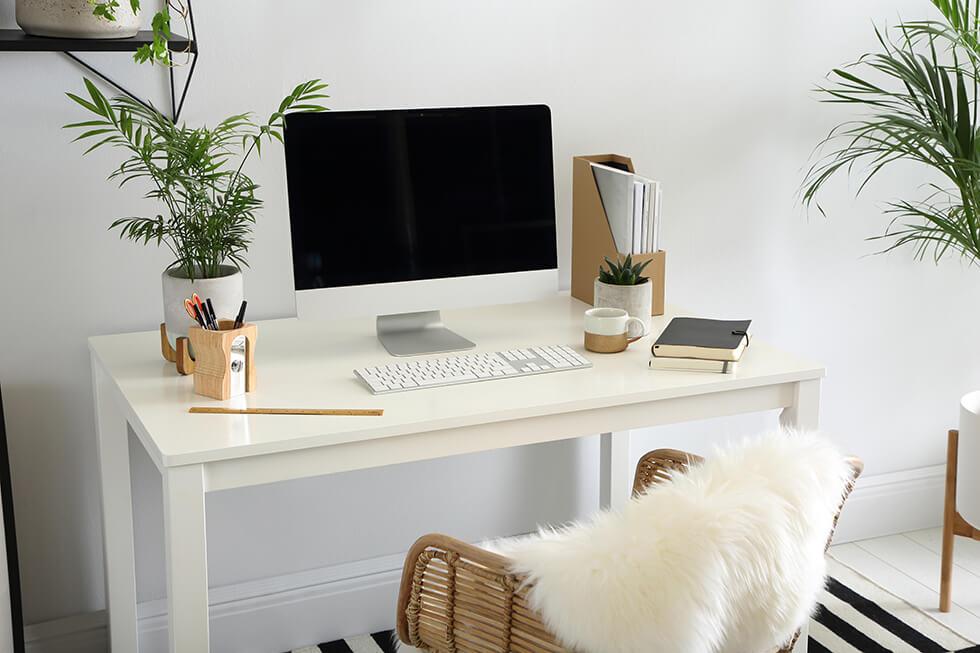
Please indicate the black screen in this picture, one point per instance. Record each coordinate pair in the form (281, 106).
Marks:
(384, 196)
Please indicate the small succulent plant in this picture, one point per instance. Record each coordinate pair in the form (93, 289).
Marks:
(623, 272)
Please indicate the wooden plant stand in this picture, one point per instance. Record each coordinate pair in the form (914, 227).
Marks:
(953, 523)
(181, 355)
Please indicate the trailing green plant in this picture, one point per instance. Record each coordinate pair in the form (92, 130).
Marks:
(158, 51)
(197, 174)
(623, 272)
(920, 93)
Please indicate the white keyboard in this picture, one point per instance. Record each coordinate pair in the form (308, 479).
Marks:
(469, 368)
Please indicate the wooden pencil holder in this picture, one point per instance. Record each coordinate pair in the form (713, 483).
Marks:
(224, 360)
(592, 238)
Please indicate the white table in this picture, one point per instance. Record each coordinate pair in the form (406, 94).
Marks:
(308, 364)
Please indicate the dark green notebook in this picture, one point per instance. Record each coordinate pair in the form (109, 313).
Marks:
(694, 337)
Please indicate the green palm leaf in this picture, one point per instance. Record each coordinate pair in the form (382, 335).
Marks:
(919, 93)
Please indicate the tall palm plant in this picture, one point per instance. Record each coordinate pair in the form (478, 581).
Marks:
(920, 91)
(196, 174)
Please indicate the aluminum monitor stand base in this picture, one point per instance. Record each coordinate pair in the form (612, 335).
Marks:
(412, 334)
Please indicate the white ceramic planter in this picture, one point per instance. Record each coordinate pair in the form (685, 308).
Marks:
(635, 300)
(74, 19)
(968, 480)
(226, 294)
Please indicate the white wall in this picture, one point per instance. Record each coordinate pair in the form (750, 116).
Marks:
(712, 98)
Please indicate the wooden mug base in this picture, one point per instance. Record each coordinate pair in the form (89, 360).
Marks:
(607, 344)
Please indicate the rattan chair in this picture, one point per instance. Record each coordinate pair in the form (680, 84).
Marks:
(458, 598)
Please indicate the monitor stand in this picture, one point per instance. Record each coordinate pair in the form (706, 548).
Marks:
(412, 334)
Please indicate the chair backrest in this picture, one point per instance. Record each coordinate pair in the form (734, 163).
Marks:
(659, 465)
(458, 598)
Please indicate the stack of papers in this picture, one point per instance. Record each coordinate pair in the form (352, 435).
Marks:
(632, 206)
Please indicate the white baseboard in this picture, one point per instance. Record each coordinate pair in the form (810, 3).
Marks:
(83, 633)
(897, 502)
(275, 614)
(270, 615)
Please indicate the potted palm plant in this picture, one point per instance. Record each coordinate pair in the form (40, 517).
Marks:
(919, 91)
(621, 284)
(196, 175)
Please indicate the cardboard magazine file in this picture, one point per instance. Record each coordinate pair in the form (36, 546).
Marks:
(592, 238)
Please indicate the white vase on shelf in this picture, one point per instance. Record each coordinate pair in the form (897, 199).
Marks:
(636, 300)
(74, 19)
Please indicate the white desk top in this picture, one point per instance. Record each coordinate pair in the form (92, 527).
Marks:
(308, 364)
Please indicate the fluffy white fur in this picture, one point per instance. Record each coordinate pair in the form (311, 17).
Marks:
(728, 557)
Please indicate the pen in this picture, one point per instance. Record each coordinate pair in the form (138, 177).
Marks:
(200, 306)
(240, 320)
(214, 318)
(199, 318)
(190, 307)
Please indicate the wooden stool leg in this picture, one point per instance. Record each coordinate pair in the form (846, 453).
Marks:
(949, 522)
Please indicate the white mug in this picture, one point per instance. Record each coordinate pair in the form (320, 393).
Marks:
(606, 330)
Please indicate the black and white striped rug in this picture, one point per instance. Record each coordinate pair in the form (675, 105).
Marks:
(373, 643)
(857, 616)
(854, 616)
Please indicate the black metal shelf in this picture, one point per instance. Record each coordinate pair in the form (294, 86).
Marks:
(15, 40)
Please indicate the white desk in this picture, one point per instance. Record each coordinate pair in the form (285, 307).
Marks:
(309, 364)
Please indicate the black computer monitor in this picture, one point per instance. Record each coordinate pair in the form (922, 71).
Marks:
(393, 196)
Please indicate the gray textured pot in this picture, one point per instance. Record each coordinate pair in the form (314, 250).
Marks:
(226, 295)
(635, 300)
(74, 19)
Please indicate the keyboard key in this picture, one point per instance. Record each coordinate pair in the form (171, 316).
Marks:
(446, 380)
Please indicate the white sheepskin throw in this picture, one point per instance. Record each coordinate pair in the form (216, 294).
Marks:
(727, 557)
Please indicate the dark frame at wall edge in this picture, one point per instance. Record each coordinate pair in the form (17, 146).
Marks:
(10, 535)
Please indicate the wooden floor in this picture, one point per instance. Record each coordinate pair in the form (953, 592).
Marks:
(907, 566)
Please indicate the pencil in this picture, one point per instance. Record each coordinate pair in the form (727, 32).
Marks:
(369, 412)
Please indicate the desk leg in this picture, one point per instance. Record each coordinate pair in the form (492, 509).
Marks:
(614, 470)
(187, 563)
(117, 515)
(803, 415)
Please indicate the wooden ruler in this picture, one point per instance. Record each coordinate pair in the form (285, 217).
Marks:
(358, 412)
